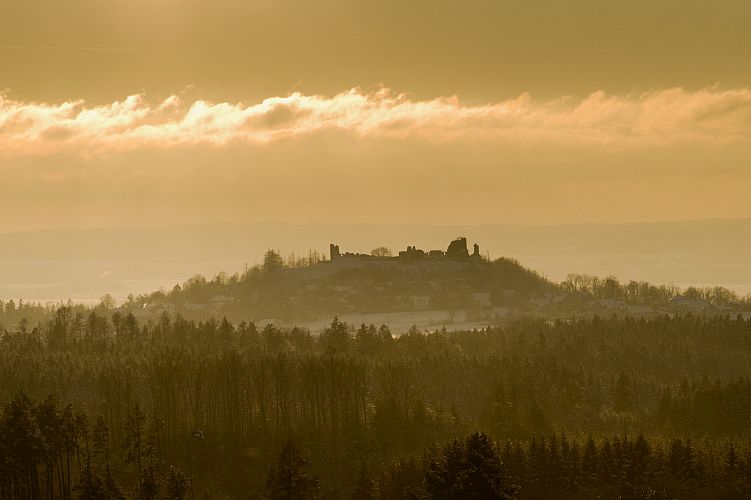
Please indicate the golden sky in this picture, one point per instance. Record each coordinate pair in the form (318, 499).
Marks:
(148, 112)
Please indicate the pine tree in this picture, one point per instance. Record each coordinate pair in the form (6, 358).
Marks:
(69, 443)
(133, 444)
(176, 486)
(90, 486)
(24, 443)
(101, 452)
(444, 479)
(467, 469)
(49, 422)
(589, 460)
(484, 476)
(148, 486)
(291, 478)
(731, 460)
(363, 489)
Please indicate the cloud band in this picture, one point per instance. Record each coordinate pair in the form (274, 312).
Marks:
(655, 118)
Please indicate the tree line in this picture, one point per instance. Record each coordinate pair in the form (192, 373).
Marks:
(645, 293)
(355, 395)
(49, 451)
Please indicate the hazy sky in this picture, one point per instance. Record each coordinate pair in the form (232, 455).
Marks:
(148, 112)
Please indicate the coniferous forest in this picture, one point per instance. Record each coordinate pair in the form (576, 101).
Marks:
(100, 405)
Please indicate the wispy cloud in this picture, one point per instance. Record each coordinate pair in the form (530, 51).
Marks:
(655, 118)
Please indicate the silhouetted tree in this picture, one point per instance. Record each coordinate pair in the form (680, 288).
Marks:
(291, 478)
(467, 469)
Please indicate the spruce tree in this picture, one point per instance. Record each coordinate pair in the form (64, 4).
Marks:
(292, 478)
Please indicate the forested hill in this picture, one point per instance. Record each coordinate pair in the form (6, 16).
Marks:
(312, 289)
(428, 293)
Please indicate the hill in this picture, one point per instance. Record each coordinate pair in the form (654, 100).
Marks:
(448, 287)
(83, 265)
(430, 289)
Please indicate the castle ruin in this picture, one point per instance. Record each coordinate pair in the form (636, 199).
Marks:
(456, 251)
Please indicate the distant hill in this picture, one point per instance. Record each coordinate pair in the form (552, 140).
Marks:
(354, 285)
(85, 264)
(430, 289)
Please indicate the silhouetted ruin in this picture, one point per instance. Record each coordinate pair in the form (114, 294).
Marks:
(457, 250)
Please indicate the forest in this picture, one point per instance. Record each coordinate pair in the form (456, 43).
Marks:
(97, 404)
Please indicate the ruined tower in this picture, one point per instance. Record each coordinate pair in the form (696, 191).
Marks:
(458, 249)
(333, 252)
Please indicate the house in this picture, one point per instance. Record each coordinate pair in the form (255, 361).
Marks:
(481, 298)
(421, 302)
(540, 303)
(641, 311)
(681, 303)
